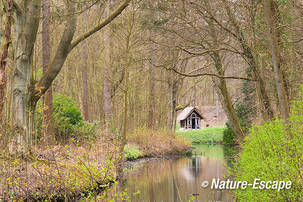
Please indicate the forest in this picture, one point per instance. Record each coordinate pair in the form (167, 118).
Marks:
(92, 91)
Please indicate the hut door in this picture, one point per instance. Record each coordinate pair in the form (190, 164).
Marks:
(193, 123)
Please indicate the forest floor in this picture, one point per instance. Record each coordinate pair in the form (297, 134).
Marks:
(58, 172)
(76, 170)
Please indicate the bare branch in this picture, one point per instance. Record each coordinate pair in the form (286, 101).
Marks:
(297, 41)
(60, 57)
(206, 74)
(99, 26)
(208, 51)
(18, 8)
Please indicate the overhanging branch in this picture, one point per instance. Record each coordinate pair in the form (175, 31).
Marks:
(208, 74)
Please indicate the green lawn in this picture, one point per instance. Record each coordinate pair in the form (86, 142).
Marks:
(205, 135)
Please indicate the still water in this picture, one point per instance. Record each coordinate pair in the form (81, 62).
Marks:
(179, 179)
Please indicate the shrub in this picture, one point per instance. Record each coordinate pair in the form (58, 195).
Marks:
(245, 114)
(273, 152)
(132, 152)
(246, 106)
(67, 120)
(65, 108)
(228, 135)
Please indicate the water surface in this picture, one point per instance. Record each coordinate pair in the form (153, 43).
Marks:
(179, 179)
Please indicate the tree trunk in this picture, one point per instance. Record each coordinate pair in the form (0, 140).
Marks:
(223, 93)
(173, 89)
(276, 57)
(123, 141)
(84, 78)
(4, 53)
(225, 99)
(151, 100)
(23, 107)
(217, 104)
(84, 73)
(194, 96)
(266, 107)
(46, 50)
(126, 94)
(107, 85)
(107, 102)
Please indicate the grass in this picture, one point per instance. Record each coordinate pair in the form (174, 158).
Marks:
(205, 135)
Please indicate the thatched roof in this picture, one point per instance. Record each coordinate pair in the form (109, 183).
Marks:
(187, 112)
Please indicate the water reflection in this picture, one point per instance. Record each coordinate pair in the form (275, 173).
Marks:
(180, 179)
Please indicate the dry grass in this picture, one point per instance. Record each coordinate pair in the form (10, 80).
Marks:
(59, 171)
(157, 142)
(67, 171)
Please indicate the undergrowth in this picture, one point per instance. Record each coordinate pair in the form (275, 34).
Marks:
(273, 152)
(68, 121)
(58, 173)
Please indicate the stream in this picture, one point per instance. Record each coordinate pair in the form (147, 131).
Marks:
(179, 179)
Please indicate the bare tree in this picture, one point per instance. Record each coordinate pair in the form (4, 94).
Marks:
(249, 56)
(26, 92)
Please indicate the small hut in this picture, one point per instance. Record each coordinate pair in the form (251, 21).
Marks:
(190, 118)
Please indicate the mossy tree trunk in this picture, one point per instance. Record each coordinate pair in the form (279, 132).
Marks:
(222, 90)
(3, 57)
(225, 99)
(23, 106)
(273, 36)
